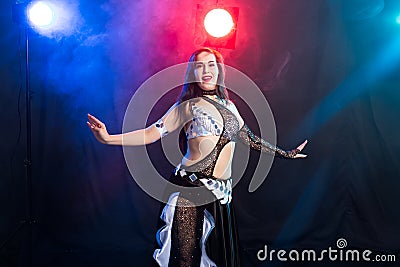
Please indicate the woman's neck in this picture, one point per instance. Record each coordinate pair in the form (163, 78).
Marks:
(208, 92)
(216, 98)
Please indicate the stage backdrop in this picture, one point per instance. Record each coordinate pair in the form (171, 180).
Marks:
(329, 69)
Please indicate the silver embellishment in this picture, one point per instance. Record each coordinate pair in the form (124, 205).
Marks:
(193, 177)
(222, 189)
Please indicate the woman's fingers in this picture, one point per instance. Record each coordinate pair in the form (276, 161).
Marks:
(91, 126)
(94, 124)
(300, 156)
(95, 121)
(300, 147)
(91, 121)
(98, 128)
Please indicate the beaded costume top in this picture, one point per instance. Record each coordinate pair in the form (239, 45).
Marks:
(230, 128)
(204, 124)
(231, 131)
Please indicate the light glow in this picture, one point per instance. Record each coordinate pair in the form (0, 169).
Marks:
(40, 14)
(218, 22)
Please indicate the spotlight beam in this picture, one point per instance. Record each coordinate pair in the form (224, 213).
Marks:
(353, 86)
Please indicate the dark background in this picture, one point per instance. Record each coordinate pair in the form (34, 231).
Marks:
(329, 69)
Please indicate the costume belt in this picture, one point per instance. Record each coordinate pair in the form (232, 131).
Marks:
(221, 188)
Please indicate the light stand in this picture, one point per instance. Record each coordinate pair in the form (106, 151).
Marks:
(20, 17)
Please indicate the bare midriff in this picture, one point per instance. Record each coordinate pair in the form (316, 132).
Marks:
(200, 147)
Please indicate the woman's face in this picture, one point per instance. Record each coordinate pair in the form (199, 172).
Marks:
(206, 71)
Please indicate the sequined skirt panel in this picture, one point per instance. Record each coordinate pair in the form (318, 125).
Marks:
(192, 236)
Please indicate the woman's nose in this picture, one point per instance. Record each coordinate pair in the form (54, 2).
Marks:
(205, 69)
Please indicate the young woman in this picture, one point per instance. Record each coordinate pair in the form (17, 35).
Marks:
(194, 234)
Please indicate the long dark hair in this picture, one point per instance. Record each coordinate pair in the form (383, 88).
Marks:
(191, 89)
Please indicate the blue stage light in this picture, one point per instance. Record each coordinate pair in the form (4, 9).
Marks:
(40, 14)
(398, 19)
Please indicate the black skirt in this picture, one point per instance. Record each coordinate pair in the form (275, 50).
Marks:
(196, 235)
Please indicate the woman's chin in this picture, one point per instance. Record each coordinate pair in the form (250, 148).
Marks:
(208, 87)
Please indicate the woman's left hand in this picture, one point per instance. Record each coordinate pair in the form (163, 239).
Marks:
(299, 149)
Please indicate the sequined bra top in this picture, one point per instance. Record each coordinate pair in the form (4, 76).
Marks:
(203, 124)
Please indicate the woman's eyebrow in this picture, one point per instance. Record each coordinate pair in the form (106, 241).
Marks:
(201, 62)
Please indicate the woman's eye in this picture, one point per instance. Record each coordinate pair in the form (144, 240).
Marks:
(198, 66)
(211, 65)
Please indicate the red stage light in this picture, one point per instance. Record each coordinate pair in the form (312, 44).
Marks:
(216, 26)
(218, 22)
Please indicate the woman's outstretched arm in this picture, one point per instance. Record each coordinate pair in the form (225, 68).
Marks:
(133, 138)
(249, 138)
(246, 136)
(175, 117)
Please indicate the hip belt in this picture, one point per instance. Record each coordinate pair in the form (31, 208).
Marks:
(221, 188)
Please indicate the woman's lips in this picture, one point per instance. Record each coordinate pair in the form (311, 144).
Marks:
(207, 78)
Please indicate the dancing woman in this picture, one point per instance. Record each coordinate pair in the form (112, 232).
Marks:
(194, 234)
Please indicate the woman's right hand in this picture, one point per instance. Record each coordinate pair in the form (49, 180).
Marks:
(98, 128)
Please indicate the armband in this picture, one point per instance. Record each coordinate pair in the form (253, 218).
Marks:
(160, 126)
